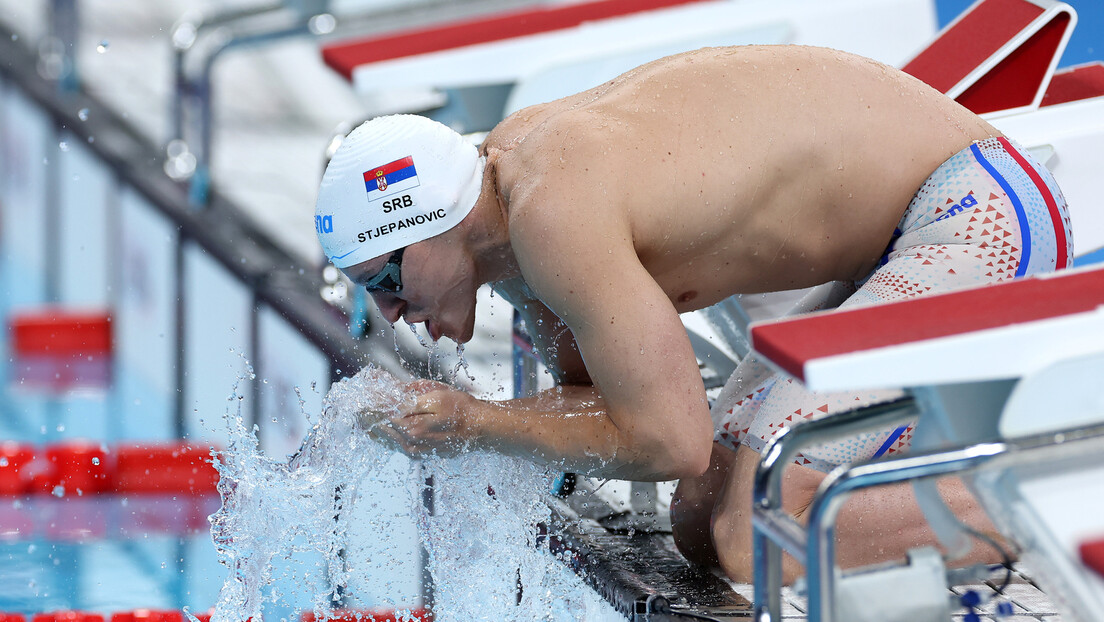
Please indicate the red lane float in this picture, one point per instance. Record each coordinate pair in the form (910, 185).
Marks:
(175, 615)
(14, 479)
(58, 350)
(61, 332)
(164, 468)
(81, 467)
(370, 615)
(67, 616)
(148, 615)
(72, 467)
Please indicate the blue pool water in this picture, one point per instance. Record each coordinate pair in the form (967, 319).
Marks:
(100, 553)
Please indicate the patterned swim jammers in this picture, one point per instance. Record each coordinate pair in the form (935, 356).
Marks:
(989, 213)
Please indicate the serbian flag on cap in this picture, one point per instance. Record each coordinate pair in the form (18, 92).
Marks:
(391, 178)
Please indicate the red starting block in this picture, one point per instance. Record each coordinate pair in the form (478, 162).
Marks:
(346, 57)
(1092, 555)
(1071, 84)
(999, 55)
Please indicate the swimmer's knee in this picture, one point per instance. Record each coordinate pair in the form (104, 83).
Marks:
(732, 529)
(692, 509)
(691, 534)
(731, 524)
(731, 534)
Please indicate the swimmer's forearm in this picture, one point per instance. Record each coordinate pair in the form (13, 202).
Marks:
(568, 428)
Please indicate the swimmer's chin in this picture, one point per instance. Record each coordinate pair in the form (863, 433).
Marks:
(436, 331)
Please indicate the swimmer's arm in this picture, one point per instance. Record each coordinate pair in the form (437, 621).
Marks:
(551, 337)
(651, 421)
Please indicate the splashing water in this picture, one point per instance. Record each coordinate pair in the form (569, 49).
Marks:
(272, 507)
(479, 533)
(484, 551)
(462, 363)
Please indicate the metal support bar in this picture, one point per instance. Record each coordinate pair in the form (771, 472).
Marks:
(772, 529)
(224, 32)
(524, 359)
(190, 149)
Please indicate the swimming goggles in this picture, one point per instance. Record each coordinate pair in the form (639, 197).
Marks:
(388, 279)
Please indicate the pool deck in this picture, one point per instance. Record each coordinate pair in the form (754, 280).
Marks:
(631, 559)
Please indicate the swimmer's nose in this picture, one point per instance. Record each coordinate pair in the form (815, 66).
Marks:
(389, 305)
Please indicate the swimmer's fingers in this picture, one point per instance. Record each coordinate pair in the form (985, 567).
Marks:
(422, 386)
(383, 433)
(370, 418)
(425, 432)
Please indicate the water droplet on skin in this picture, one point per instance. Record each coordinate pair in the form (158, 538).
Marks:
(82, 114)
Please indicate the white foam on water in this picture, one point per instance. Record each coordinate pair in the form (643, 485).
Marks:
(480, 536)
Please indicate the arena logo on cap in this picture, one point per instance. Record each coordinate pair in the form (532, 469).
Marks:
(391, 178)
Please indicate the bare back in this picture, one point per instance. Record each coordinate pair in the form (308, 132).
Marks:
(737, 170)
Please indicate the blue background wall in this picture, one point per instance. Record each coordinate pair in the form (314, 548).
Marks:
(1086, 44)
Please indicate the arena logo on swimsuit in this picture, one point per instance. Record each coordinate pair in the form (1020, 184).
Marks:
(966, 201)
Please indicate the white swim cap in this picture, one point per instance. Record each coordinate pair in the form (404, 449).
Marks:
(394, 181)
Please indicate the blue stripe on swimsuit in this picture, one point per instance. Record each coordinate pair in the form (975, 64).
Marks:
(893, 436)
(1025, 226)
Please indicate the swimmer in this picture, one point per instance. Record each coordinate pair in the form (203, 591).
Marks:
(603, 215)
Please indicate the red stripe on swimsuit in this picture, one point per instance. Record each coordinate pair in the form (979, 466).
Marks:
(1062, 259)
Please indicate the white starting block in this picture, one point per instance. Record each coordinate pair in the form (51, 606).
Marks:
(1006, 380)
(538, 54)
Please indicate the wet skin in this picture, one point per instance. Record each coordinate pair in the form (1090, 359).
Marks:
(606, 214)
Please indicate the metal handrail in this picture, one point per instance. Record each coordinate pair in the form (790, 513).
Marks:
(814, 544)
(1044, 448)
(774, 531)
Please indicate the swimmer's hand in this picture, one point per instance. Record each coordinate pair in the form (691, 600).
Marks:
(436, 421)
